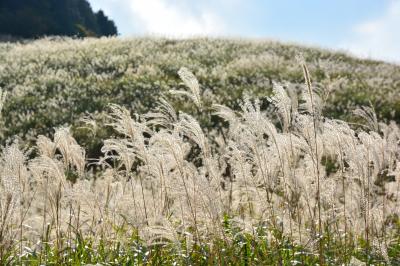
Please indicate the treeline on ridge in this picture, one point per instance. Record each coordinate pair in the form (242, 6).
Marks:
(37, 18)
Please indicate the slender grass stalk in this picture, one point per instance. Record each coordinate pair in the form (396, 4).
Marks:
(316, 161)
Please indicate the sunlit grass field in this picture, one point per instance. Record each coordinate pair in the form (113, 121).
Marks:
(197, 152)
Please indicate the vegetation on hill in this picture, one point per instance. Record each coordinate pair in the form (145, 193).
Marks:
(38, 18)
(59, 82)
(114, 154)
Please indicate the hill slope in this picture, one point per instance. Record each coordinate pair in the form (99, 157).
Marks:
(55, 82)
(273, 181)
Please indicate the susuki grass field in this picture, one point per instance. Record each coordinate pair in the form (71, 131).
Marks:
(197, 152)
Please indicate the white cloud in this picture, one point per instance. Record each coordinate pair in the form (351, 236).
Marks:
(378, 38)
(161, 17)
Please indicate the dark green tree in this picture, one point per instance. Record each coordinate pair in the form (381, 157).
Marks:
(37, 18)
(106, 26)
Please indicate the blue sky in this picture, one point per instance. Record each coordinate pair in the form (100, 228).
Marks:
(367, 28)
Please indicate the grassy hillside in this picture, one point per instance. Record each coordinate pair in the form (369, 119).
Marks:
(57, 82)
(242, 162)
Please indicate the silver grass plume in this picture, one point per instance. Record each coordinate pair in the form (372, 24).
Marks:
(255, 120)
(90, 124)
(189, 126)
(368, 114)
(229, 116)
(132, 129)
(122, 121)
(165, 115)
(73, 154)
(125, 153)
(44, 167)
(13, 177)
(312, 102)
(45, 146)
(283, 104)
(225, 113)
(191, 82)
